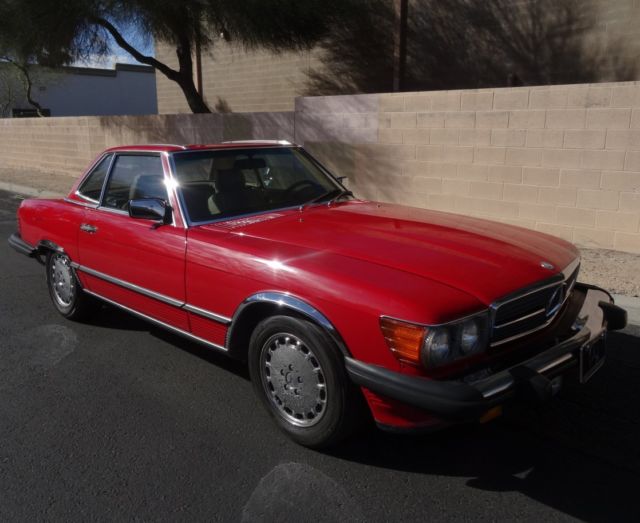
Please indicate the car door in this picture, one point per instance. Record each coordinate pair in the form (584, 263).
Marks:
(134, 262)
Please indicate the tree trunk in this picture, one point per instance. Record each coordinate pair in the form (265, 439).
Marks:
(194, 98)
(185, 81)
(183, 76)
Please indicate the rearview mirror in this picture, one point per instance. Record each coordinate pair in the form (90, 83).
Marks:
(150, 209)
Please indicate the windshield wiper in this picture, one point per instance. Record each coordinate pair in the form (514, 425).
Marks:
(333, 195)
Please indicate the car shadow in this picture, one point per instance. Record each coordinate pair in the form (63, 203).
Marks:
(115, 318)
(109, 317)
(210, 355)
(578, 454)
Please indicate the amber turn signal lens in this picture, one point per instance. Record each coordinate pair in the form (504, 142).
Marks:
(492, 413)
(403, 339)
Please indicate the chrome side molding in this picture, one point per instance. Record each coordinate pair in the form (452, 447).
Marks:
(153, 294)
(158, 322)
(206, 314)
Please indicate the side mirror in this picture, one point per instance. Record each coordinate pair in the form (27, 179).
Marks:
(150, 209)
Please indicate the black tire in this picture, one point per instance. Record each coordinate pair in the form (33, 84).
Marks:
(74, 303)
(316, 365)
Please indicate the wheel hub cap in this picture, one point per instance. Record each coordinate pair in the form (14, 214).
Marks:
(62, 280)
(293, 380)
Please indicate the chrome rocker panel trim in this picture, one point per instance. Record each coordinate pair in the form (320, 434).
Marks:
(157, 322)
(207, 314)
(155, 295)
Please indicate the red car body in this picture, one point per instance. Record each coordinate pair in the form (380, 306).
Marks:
(344, 265)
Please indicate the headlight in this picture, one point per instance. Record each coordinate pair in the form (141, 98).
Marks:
(437, 345)
(470, 337)
(437, 348)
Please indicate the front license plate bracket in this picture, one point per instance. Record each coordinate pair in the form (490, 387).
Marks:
(592, 357)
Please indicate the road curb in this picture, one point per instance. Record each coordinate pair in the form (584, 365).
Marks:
(631, 305)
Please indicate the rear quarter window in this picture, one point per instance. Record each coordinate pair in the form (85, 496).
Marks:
(91, 187)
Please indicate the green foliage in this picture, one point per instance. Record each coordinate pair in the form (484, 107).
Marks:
(57, 32)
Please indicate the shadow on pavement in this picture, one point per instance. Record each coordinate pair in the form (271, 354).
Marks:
(578, 454)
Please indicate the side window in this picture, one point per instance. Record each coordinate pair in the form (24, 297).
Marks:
(91, 188)
(134, 177)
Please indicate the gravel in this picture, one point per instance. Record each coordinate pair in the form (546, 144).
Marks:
(616, 271)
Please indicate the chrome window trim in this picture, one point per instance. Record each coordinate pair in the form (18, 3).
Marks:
(161, 145)
(89, 172)
(112, 210)
(82, 204)
(177, 194)
(270, 142)
(165, 176)
(213, 148)
(106, 179)
(240, 216)
(80, 195)
(187, 219)
(159, 323)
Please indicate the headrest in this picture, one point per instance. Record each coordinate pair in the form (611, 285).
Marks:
(246, 164)
(148, 186)
(223, 162)
(230, 180)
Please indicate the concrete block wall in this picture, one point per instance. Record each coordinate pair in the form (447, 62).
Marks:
(68, 145)
(245, 80)
(563, 159)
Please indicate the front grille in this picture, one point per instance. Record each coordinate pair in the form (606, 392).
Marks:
(531, 309)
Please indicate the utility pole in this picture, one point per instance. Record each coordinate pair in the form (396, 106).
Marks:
(198, 53)
(400, 44)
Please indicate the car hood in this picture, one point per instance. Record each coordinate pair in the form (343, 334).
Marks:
(485, 259)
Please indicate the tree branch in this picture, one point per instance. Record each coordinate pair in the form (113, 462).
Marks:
(28, 83)
(120, 40)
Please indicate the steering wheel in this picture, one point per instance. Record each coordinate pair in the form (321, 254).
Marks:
(301, 185)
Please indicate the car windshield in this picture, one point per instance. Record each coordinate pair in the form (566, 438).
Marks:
(216, 184)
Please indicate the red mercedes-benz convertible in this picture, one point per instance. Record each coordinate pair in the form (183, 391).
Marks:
(341, 307)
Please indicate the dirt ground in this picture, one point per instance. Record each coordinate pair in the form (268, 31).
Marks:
(618, 272)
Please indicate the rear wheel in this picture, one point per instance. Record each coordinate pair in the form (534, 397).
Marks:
(298, 373)
(64, 289)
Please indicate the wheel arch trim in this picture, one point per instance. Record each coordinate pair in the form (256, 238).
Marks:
(287, 302)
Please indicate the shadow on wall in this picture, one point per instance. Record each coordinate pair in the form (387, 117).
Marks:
(182, 129)
(463, 44)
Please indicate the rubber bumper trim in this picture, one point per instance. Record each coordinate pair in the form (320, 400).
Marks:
(461, 401)
(16, 241)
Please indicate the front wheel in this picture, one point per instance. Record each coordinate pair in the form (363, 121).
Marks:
(298, 373)
(64, 289)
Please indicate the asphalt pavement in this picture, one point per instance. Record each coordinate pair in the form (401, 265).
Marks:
(117, 420)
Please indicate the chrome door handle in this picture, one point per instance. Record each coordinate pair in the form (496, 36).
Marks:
(86, 227)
